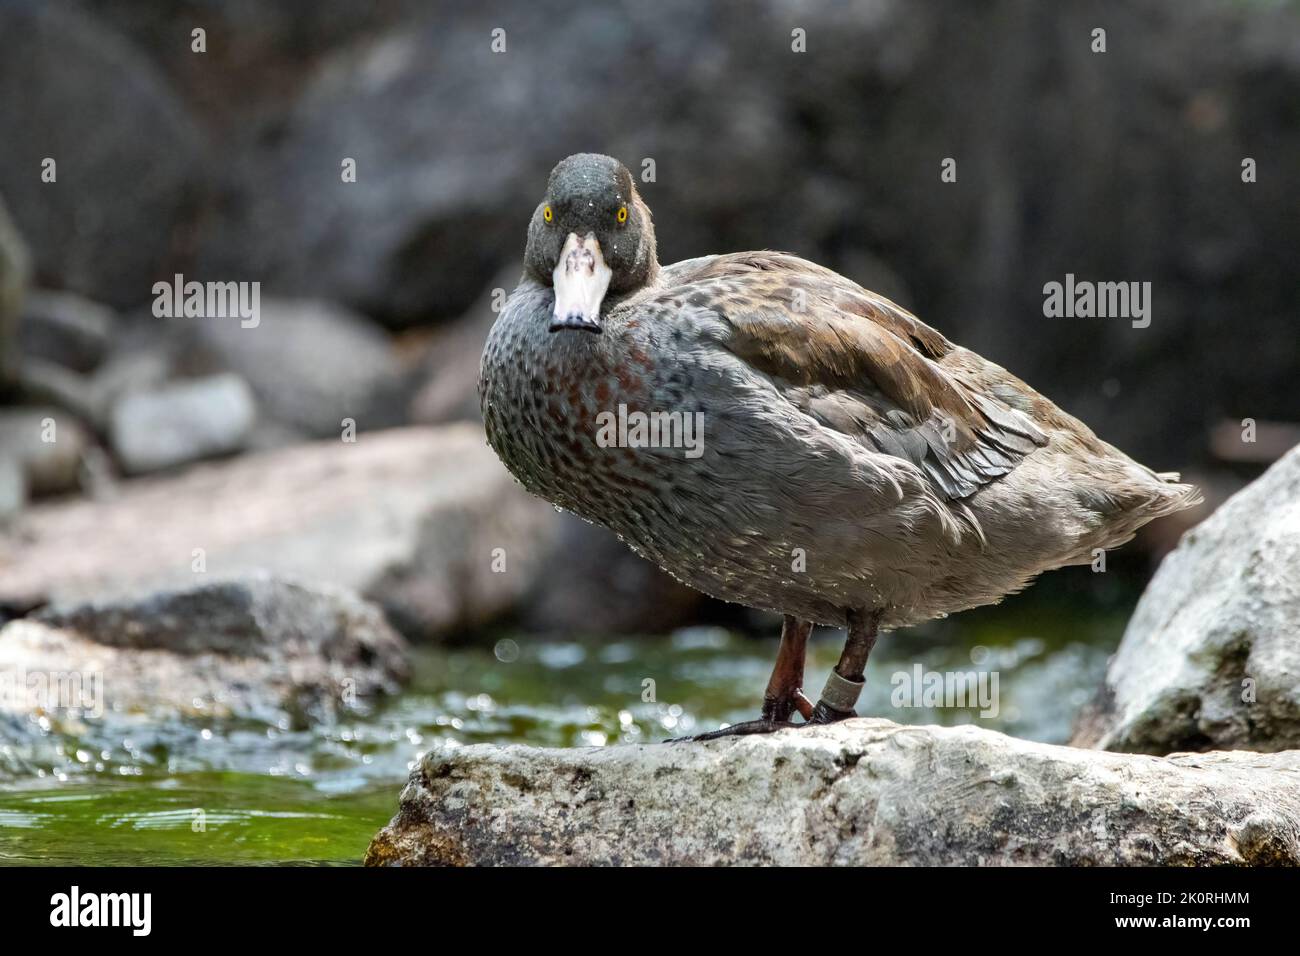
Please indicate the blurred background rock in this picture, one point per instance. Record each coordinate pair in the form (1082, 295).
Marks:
(377, 294)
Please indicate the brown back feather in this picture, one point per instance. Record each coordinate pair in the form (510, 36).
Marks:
(859, 364)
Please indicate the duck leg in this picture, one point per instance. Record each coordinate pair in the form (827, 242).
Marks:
(845, 682)
(784, 693)
(784, 689)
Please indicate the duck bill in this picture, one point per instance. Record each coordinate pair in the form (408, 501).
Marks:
(581, 279)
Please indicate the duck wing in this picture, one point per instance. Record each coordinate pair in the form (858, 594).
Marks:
(858, 364)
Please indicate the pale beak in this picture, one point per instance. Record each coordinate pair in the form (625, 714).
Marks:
(580, 280)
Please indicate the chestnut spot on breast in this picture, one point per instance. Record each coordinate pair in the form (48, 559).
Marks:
(627, 381)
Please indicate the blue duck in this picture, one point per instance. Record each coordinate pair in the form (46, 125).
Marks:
(773, 434)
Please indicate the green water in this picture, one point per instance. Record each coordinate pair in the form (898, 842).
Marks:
(191, 791)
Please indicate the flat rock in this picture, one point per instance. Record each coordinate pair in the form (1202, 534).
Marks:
(1211, 657)
(245, 647)
(416, 519)
(866, 791)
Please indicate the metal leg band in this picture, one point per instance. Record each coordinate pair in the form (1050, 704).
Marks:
(841, 694)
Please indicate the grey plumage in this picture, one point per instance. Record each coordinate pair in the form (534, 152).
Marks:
(911, 475)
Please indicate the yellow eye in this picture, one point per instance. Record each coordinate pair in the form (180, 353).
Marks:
(622, 214)
(547, 215)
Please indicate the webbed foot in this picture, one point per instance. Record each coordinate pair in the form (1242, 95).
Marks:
(742, 729)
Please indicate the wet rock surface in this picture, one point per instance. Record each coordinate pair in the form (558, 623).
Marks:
(251, 674)
(865, 791)
(1211, 656)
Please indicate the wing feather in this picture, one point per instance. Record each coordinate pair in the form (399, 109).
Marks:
(859, 364)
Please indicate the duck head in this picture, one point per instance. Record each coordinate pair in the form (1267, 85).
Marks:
(591, 239)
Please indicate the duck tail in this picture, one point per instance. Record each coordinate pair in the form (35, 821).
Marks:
(1172, 495)
(1148, 495)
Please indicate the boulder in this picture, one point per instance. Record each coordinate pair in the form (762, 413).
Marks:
(1211, 657)
(130, 163)
(438, 206)
(145, 356)
(425, 521)
(608, 589)
(47, 444)
(447, 386)
(83, 357)
(181, 422)
(865, 791)
(13, 486)
(15, 272)
(65, 328)
(257, 53)
(244, 647)
(311, 364)
(449, 166)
